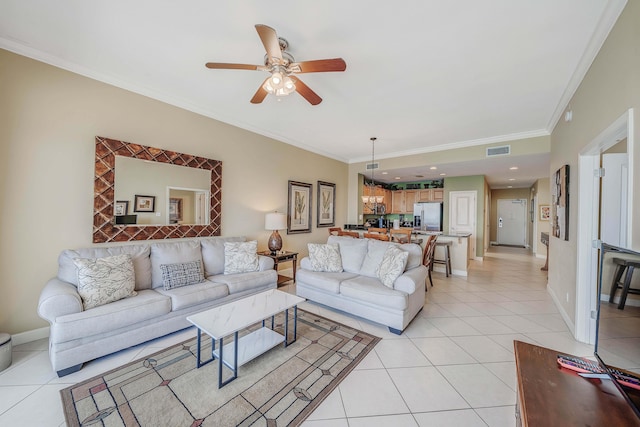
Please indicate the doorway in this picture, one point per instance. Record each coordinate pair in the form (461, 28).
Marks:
(463, 211)
(512, 222)
(589, 220)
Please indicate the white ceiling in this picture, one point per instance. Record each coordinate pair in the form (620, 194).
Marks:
(421, 74)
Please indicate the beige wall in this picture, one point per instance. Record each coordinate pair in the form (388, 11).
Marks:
(542, 190)
(48, 120)
(609, 89)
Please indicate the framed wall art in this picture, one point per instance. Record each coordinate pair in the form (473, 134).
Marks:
(121, 207)
(326, 204)
(299, 208)
(545, 212)
(175, 210)
(144, 203)
(560, 203)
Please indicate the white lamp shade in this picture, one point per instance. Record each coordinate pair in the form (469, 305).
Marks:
(275, 221)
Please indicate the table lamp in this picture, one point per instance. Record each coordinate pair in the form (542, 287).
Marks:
(275, 221)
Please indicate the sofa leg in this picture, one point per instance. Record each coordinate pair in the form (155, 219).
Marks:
(70, 370)
(395, 331)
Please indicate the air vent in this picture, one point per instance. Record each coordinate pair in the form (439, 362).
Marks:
(505, 150)
(373, 166)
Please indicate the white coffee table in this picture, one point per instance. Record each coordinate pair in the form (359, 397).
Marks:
(227, 319)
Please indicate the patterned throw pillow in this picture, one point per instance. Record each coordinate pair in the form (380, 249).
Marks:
(181, 274)
(325, 257)
(393, 263)
(105, 280)
(240, 257)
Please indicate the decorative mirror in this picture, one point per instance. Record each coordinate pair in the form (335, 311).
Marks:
(105, 228)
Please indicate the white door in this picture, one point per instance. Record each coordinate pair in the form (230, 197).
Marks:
(463, 210)
(512, 222)
(202, 216)
(613, 219)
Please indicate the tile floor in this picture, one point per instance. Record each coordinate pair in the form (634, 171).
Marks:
(453, 366)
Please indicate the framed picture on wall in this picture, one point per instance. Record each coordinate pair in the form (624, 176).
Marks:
(545, 212)
(299, 208)
(326, 204)
(175, 210)
(144, 203)
(121, 207)
(560, 203)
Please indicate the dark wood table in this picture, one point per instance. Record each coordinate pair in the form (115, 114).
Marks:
(279, 258)
(549, 395)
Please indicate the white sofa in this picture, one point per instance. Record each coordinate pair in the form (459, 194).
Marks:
(79, 335)
(358, 290)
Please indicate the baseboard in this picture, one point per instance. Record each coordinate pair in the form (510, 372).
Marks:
(453, 271)
(493, 243)
(541, 256)
(29, 336)
(563, 313)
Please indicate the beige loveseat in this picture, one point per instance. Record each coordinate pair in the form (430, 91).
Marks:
(78, 335)
(358, 289)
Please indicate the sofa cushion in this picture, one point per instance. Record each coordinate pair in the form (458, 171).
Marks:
(392, 265)
(213, 253)
(370, 290)
(105, 280)
(148, 304)
(246, 281)
(352, 252)
(325, 257)
(171, 253)
(199, 293)
(68, 272)
(181, 274)
(328, 282)
(375, 253)
(415, 255)
(240, 257)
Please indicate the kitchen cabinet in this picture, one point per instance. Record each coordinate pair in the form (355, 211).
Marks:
(379, 191)
(410, 197)
(397, 201)
(431, 195)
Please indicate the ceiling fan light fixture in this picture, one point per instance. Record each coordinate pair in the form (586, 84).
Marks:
(276, 79)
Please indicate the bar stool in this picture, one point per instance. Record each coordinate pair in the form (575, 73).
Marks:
(447, 256)
(623, 264)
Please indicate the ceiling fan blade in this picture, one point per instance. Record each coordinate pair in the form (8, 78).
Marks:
(270, 41)
(260, 94)
(306, 92)
(224, 66)
(320, 65)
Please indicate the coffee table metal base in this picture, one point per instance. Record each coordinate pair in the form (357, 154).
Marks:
(248, 346)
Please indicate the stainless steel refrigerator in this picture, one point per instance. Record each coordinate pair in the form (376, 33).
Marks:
(427, 216)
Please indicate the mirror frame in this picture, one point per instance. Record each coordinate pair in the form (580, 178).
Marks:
(104, 227)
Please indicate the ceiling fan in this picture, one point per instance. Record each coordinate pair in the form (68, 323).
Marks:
(282, 67)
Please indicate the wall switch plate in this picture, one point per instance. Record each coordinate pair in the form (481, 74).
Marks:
(157, 213)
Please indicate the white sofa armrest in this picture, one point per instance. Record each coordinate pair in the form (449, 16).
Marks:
(305, 263)
(265, 263)
(58, 298)
(410, 280)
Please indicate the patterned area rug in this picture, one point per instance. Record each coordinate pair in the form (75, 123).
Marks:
(279, 388)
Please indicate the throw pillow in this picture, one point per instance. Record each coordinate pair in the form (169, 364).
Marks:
(325, 257)
(240, 257)
(181, 274)
(105, 280)
(393, 263)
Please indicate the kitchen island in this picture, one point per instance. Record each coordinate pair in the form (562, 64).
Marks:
(458, 251)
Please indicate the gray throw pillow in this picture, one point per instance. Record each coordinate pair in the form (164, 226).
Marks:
(241, 257)
(181, 274)
(393, 263)
(325, 258)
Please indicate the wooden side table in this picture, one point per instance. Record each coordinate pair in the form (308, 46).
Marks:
(281, 257)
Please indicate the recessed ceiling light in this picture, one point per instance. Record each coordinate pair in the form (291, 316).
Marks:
(433, 168)
(419, 176)
(513, 168)
(397, 177)
(442, 174)
(512, 179)
(510, 186)
(385, 173)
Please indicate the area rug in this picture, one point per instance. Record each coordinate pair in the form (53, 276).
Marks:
(279, 388)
